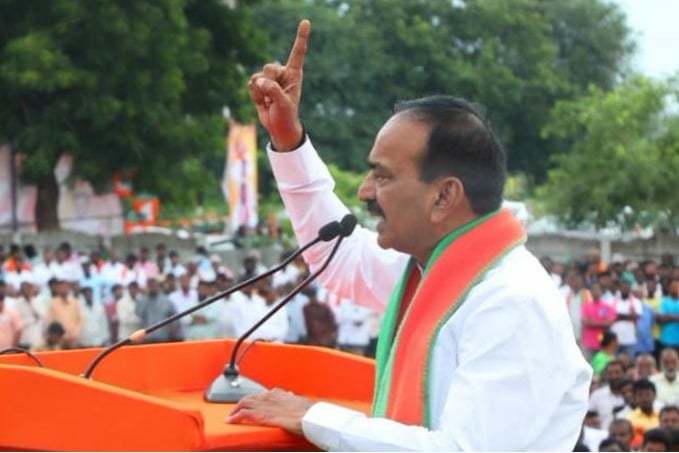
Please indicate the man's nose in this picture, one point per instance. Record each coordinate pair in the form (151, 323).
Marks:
(366, 190)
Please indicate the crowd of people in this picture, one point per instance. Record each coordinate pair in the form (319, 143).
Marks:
(63, 299)
(625, 317)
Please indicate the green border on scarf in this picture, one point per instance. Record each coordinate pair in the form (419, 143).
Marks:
(386, 340)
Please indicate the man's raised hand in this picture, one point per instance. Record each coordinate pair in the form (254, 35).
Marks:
(277, 90)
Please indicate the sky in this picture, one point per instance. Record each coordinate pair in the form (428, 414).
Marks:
(654, 26)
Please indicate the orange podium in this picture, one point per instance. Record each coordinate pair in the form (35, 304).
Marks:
(150, 397)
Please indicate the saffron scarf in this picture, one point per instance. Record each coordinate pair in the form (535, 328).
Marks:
(405, 352)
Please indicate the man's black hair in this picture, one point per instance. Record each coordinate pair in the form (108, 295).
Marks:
(55, 328)
(609, 441)
(658, 435)
(461, 144)
(607, 338)
(668, 408)
(643, 384)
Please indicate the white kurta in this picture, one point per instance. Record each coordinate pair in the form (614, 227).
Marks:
(506, 371)
(33, 314)
(95, 331)
(353, 324)
(128, 320)
(247, 311)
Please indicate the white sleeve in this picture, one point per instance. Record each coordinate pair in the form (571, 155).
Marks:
(336, 428)
(503, 395)
(361, 270)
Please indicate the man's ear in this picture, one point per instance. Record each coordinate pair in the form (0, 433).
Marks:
(449, 193)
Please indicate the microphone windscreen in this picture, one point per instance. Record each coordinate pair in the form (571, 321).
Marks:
(348, 223)
(330, 231)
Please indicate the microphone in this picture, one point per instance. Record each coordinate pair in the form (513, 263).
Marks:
(348, 224)
(326, 233)
(230, 386)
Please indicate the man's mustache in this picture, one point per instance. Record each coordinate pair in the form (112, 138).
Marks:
(374, 208)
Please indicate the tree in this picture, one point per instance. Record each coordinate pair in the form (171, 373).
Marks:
(624, 156)
(122, 84)
(514, 57)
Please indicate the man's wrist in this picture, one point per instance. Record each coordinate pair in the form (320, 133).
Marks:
(293, 144)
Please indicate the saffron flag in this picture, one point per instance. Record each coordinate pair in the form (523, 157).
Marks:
(240, 175)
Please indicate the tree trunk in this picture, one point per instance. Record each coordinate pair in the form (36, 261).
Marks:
(46, 206)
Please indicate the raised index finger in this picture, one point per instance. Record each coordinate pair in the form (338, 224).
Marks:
(296, 58)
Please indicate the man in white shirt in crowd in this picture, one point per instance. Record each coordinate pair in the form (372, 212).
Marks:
(249, 309)
(204, 323)
(227, 307)
(67, 264)
(286, 276)
(666, 382)
(276, 327)
(629, 308)
(95, 330)
(353, 327)
(251, 266)
(42, 272)
(114, 272)
(645, 366)
(32, 312)
(176, 267)
(483, 358)
(609, 396)
(126, 306)
(132, 272)
(296, 324)
(182, 299)
(15, 277)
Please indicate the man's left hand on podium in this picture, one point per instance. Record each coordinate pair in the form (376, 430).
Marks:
(272, 408)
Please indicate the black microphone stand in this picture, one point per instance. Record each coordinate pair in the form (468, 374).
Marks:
(327, 233)
(230, 386)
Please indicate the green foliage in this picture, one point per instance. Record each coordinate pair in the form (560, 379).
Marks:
(125, 84)
(517, 188)
(346, 184)
(516, 57)
(624, 158)
(141, 84)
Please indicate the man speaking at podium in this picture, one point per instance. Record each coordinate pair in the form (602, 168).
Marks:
(476, 351)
